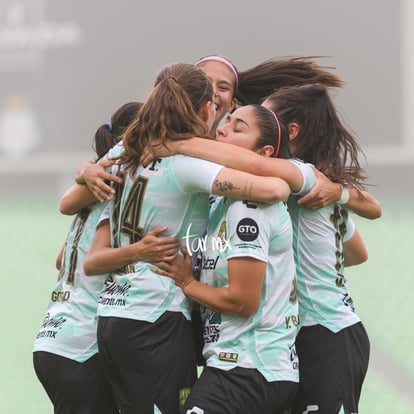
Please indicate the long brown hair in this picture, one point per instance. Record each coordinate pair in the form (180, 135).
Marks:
(258, 82)
(169, 112)
(323, 139)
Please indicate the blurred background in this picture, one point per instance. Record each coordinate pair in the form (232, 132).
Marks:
(66, 66)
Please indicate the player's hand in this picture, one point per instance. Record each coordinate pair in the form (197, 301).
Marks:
(179, 269)
(154, 248)
(96, 177)
(324, 192)
(155, 150)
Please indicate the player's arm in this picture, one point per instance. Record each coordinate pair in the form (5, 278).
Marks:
(231, 156)
(91, 186)
(75, 199)
(241, 297)
(97, 178)
(355, 251)
(59, 257)
(244, 186)
(363, 204)
(102, 258)
(326, 192)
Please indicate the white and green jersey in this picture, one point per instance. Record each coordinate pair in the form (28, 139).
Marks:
(309, 176)
(264, 341)
(318, 245)
(171, 192)
(69, 326)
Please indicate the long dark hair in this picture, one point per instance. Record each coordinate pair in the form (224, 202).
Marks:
(323, 139)
(253, 85)
(258, 82)
(272, 132)
(107, 135)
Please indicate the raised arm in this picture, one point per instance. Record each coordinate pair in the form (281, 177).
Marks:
(90, 188)
(231, 156)
(364, 204)
(97, 178)
(75, 199)
(245, 186)
(327, 192)
(242, 159)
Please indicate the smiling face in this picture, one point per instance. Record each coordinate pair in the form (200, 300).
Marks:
(224, 82)
(240, 128)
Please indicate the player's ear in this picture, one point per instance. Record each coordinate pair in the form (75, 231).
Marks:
(294, 129)
(267, 150)
(233, 105)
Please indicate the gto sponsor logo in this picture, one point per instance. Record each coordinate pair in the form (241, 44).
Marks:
(247, 230)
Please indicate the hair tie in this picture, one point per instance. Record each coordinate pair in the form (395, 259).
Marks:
(109, 124)
(224, 60)
(278, 133)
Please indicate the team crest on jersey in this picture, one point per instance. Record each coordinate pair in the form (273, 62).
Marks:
(247, 230)
(293, 297)
(222, 233)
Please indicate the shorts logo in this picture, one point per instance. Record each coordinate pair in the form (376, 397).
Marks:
(311, 409)
(247, 230)
(195, 410)
(183, 394)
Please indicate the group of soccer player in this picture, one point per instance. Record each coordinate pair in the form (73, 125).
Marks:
(212, 231)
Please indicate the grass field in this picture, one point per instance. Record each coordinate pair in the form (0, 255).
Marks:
(32, 232)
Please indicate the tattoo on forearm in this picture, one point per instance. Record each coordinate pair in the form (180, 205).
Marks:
(224, 186)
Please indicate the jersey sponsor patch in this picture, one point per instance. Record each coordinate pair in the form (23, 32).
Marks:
(209, 263)
(228, 356)
(247, 230)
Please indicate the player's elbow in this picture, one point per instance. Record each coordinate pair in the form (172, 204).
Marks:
(89, 267)
(66, 207)
(355, 259)
(376, 212)
(245, 309)
(279, 191)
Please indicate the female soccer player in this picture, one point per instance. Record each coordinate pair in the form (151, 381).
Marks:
(246, 290)
(338, 240)
(332, 345)
(65, 352)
